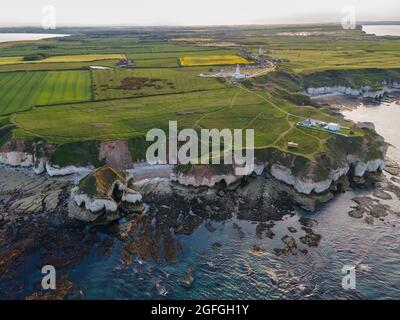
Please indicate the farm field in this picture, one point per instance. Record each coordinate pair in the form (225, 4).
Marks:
(178, 54)
(157, 63)
(192, 39)
(307, 61)
(117, 83)
(76, 104)
(212, 60)
(58, 59)
(230, 107)
(111, 45)
(21, 90)
(44, 66)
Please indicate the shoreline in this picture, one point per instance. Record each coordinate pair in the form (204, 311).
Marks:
(36, 207)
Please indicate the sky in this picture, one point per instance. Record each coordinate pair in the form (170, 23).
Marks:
(190, 12)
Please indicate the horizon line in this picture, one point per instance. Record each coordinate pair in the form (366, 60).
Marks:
(188, 25)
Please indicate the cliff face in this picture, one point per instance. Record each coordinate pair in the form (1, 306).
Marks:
(343, 155)
(209, 175)
(363, 91)
(15, 153)
(355, 155)
(306, 184)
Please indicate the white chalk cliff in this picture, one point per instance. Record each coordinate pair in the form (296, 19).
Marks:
(308, 184)
(16, 159)
(363, 91)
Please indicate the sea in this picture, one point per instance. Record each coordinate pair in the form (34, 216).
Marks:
(7, 37)
(382, 30)
(232, 270)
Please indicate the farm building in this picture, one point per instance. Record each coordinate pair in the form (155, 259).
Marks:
(124, 62)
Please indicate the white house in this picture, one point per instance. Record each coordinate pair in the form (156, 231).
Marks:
(333, 127)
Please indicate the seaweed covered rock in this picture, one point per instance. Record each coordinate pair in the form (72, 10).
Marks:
(104, 193)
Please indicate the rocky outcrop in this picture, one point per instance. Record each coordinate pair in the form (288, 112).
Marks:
(307, 184)
(210, 175)
(345, 156)
(101, 193)
(13, 153)
(198, 181)
(16, 159)
(360, 168)
(38, 155)
(53, 170)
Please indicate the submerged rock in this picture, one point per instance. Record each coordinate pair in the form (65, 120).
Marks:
(382, 195)
(311, 239)
(392, 167)
(289, 241)
(292, 229)
(65, 289)
(370, 207)
(188, 278)
(257, 249)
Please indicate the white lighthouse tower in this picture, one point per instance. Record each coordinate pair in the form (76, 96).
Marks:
(238, 75)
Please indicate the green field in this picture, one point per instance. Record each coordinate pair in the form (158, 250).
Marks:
(21, 90)
(117, 83)
(212, 60)
(61, 59)
(74, 104)
(308, 61)
(230, 107)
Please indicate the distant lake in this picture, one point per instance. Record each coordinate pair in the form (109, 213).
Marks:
(6, 37)
(382, 30)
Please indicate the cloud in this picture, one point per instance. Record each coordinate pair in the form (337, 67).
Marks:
(191, 12)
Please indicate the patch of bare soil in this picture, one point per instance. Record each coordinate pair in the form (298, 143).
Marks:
(116, 154)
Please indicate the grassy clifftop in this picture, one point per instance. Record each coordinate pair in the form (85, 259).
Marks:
(74, 109)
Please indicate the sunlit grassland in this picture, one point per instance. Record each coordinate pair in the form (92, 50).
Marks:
(192, 39)
(108, 83)
(179, 54)
(21, 90)
(44, 66)
(307, 61)
(173, 90)
(85, 45)
(229, 107)
(212, 60)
